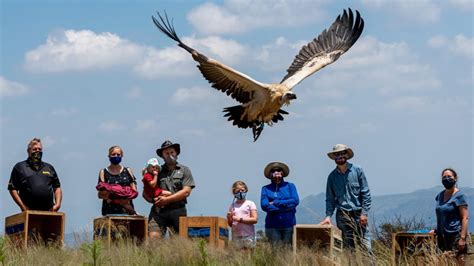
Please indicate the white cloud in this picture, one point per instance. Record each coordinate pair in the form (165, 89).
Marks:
(327, 111)
(228, 51)
(420, 11)
(110, 126)
(237, 16)
(48, 141)
(176, 62)
(146, 125)
(464, 5)
(65, 112)
(12, 88)
(459, 45)
(194, 96)
(278, 54)
(72, 50)
(168, 62)
(388, 68)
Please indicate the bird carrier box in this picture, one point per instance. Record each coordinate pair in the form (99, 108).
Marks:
(212, 228)
(31, 227)
(412, 243)
(121, 227)
(322, 238)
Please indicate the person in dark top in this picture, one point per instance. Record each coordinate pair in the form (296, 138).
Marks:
(177, 179)
(34, 184)
(279, 200)
(117, 201)
(452, 216)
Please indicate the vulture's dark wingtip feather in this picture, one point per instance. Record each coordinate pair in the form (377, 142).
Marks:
(166, 26)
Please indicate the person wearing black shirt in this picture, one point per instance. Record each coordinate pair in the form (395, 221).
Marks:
(34, 184)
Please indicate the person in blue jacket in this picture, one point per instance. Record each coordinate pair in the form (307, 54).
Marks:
(279, 200)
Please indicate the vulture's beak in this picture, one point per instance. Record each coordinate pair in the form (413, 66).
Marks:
(290, 96)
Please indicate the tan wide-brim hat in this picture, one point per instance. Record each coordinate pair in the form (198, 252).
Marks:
(339, 148)
(273, 165)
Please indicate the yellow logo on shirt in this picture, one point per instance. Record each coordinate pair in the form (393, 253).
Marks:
(46, 173)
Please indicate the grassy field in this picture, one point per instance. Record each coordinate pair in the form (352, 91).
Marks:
(178, 251)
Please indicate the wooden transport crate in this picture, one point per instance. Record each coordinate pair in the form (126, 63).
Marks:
(212, 228)
(414, 244)
(321, 238)
(115, 227)
(30, 227)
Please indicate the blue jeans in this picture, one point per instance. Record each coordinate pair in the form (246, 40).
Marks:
(279, 236)
(349, 223)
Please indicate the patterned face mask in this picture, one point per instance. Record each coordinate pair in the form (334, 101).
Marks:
(240, 195)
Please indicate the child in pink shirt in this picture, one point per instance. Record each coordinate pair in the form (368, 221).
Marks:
(242, 216)
(150, 180)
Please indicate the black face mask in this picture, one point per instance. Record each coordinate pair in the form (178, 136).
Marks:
(448, 182)
(36, 156)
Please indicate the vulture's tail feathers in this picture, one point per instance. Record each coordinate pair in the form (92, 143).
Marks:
(234, 114)
(166, 26)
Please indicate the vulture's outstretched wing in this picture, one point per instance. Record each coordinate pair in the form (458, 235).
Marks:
(325, 49)
(226, 79)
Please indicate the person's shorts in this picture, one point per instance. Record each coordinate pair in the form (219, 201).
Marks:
(244, 241)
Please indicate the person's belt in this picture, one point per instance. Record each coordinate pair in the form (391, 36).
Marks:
(350, 213)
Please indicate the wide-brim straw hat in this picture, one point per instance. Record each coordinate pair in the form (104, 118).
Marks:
(339, 148)
(168, 144)
(270, 166)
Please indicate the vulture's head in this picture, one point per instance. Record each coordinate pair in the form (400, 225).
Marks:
(287, 97)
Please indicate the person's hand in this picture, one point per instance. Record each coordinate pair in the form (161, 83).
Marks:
(432, 231)
(326, 220)
(229, 216)
(235, 218)
(55, 208)
(166, 193)
(155, 173)
(363, 220)
(24, 208)
(271, 203)
(104, 194)
(461, 244)
(162, 201)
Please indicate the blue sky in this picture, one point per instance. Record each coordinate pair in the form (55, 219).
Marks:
(86, 75)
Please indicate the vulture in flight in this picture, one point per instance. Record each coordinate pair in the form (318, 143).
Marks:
(260, 103)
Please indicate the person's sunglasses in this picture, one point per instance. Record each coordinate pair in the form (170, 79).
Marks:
(340, 153)
(276, 170)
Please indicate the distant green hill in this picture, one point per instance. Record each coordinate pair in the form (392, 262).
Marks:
(419, 204)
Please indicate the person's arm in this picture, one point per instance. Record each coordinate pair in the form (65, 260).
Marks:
(264, 202)
(58, 193)
(366, 200)
(178, 196)
(17, 199)
(153, 183)
(133, 183)
(58, 196)
(230, 216)
(291, 202)
(252, 219)
(464, 223)
(330, 202)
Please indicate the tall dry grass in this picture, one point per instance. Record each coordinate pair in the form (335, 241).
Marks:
(179, 251)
